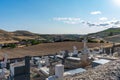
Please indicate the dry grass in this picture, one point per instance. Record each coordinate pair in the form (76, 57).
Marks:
(45, 48)
(7, 42)
(25, 37)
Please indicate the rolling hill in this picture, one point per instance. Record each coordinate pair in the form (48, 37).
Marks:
(6, 36)
(111, 34)
(21, 34)
(26, 35)
(106, 33)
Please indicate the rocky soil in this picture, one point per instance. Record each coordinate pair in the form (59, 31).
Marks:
(109, 71)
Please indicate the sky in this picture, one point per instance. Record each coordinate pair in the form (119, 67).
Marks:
(59, 16)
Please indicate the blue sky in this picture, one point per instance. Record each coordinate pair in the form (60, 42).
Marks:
(59, 16)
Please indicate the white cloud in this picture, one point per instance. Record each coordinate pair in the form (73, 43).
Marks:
(96, 12)
(68, 20)
(103, 19)
(104, 22)
(71, 22)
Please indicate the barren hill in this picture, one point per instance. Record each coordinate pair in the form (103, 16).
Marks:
(5, 36)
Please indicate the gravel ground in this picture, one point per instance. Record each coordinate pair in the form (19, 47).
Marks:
(109, 71)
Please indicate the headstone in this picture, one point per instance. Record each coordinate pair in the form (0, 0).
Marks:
(104, 51)
(110, 52)
(2, 74)
(85, 53)
(85, 49)
(59, 71)
(16, 61)
(70, 54)
(113, 48)
(66, 54)
(79, 55)
(101, 49)
(4, 60)
(39, 64)
(62, 52)
(75, 51)
(47, 61)
(27, 68)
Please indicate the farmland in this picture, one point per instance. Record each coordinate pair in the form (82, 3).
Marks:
(45, 49)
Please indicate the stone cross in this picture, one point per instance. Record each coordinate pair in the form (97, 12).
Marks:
(110, 52)
(85, 41)
(5, 58)
(85, 49)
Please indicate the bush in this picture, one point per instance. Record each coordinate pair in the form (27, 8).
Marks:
(34, 42)
(92, 41)
(101, 41)
(110, 34)
(12, 45)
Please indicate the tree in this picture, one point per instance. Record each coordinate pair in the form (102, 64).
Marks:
(110, 34)
(101, 41)
(34, 42)
(12, 45)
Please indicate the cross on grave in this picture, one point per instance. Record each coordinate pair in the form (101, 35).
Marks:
(110, 52)
(85, 49)
(85, 41)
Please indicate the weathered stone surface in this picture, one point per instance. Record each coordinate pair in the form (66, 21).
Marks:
(109, 71)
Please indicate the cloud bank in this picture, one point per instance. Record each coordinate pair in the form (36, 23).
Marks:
(103, 22)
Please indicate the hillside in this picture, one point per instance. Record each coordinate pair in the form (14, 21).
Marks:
(61, 37)
(111, 34)
(115, 38)
(106, 33)
(6, 36)
(25, 35)
(21, 35)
